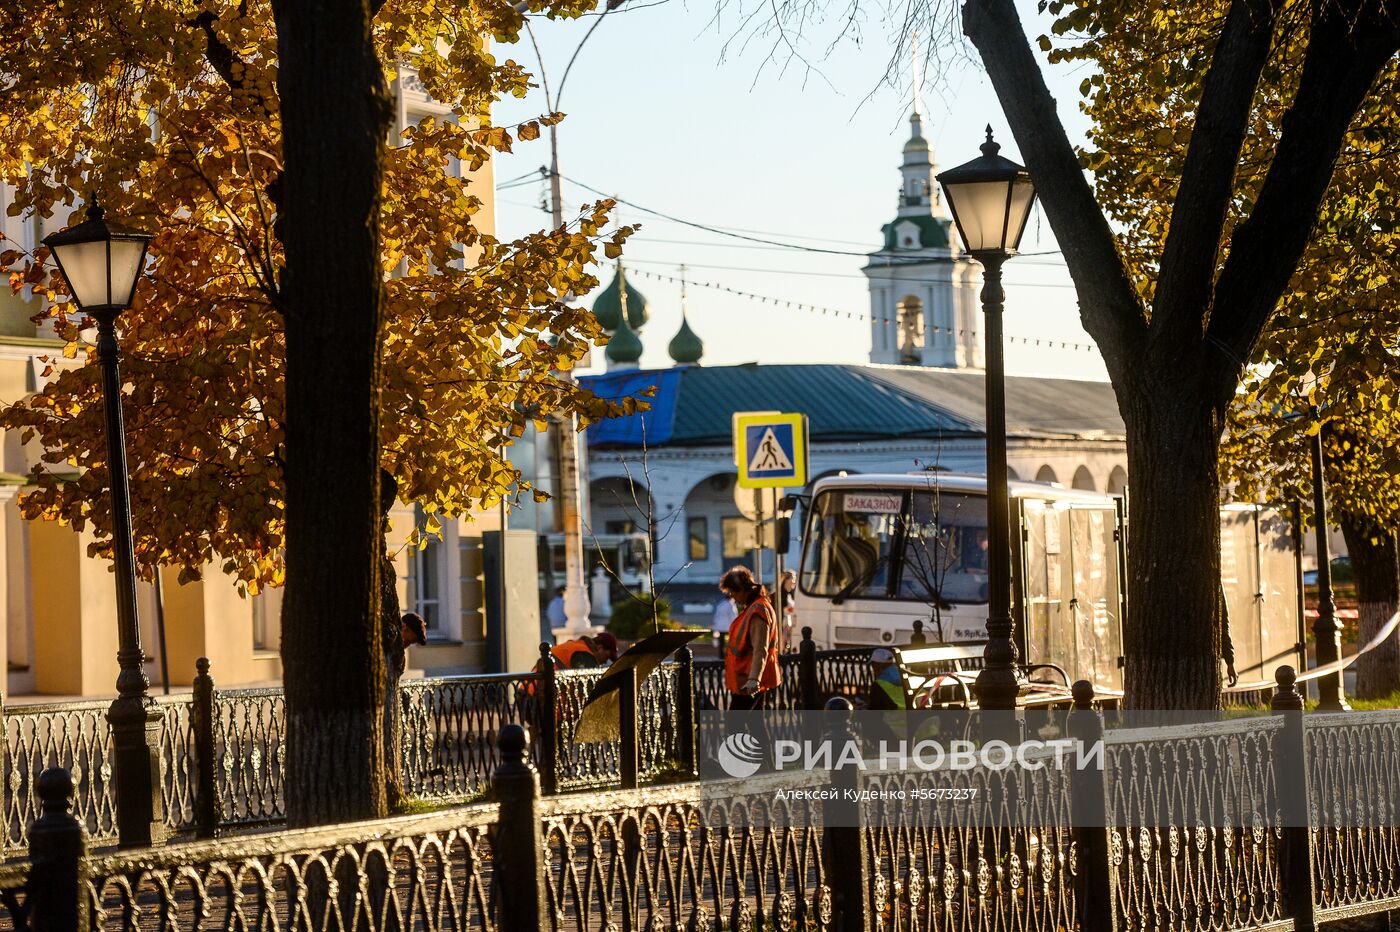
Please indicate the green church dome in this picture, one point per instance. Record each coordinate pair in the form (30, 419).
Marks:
(685, 347)
(608, 305)
(624, 347)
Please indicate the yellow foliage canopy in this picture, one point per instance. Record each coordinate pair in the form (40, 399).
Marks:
(168, 110)
(1341, 311)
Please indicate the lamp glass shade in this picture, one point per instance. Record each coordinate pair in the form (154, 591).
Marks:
(991, 199)
(102, 273)
(980, 210)
(1018, 212)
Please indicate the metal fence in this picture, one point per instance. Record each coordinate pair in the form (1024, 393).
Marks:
(1254, 824)
(76, 737)
(808, 677)
(447, 726)
(426, 872)
(1194, 814)
(975, 865)
(1353, 801)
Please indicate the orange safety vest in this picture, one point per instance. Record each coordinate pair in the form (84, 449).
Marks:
(738, 652)
(565, 653)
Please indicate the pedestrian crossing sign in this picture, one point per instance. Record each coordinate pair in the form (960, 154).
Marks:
(770, 449)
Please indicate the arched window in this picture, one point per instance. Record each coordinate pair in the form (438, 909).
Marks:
(911, 329)
(1117, 481)
(1083, 479)
(1046, 474)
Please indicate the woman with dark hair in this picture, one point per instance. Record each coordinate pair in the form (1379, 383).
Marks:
(751, 654)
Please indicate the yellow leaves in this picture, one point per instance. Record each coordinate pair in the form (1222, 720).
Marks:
(476, 331)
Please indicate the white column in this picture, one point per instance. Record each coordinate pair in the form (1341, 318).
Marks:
(877, 326)
(969, 300)
(941, 348)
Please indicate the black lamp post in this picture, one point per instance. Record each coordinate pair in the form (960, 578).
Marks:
(102, 262)
(1331, 691)
(991, 199)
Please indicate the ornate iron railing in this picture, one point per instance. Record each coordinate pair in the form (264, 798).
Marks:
(250, 735)
(77, 737)
(596, 764)
(447, 732)
(448, 729)
(668, 858)
(427, 872)
(1354, 775)
(844, 673)
(994, 853)
(1195, 834)
(1185, 828)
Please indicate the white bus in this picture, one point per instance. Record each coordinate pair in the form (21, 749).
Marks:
(881, 551)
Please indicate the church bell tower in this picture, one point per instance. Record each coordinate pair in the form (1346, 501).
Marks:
(923, 289)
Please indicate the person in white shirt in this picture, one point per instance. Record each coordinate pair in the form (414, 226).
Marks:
(725, 613)
(555, 610)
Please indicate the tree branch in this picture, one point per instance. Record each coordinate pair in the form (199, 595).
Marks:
(1109, 305)
(1207, 180)
(1343, 60)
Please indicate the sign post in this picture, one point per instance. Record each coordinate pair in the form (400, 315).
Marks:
(770, 451)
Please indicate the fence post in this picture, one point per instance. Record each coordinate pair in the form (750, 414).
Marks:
(918, 638)
(1093, 895)
(1291, 784)
(56, 849)
(627, 724)
(685, 710)
(547, 721)
(845, 863)
(807, 671)
(206, 791)
(517, 843)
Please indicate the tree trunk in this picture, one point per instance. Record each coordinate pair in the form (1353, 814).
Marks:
(335, 120)
(1377, 574)
(1172, 641)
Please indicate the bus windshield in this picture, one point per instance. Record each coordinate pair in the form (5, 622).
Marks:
(911, 545)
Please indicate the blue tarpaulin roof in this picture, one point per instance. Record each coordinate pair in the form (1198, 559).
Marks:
(654, 426)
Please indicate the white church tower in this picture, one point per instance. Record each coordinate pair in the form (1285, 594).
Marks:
(923, 290)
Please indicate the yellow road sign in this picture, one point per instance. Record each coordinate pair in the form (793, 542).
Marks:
(770, 449)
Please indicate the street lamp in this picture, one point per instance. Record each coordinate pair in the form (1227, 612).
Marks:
(1327, 632)
(102, 263)
(990, 198)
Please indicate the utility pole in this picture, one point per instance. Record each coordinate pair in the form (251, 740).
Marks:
(572, 470)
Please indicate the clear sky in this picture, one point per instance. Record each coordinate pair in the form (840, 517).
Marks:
(667, 109)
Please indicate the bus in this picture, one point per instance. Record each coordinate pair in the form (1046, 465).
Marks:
(882, 551)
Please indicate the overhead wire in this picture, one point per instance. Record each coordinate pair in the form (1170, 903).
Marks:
(816, 274)
(841, 313)
(834, 313)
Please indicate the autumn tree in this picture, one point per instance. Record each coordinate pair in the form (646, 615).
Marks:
(1217, 126)
(1327, 367)
(322, 304)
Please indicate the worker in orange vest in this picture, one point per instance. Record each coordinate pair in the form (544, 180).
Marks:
(751, 653)
(591, 650)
